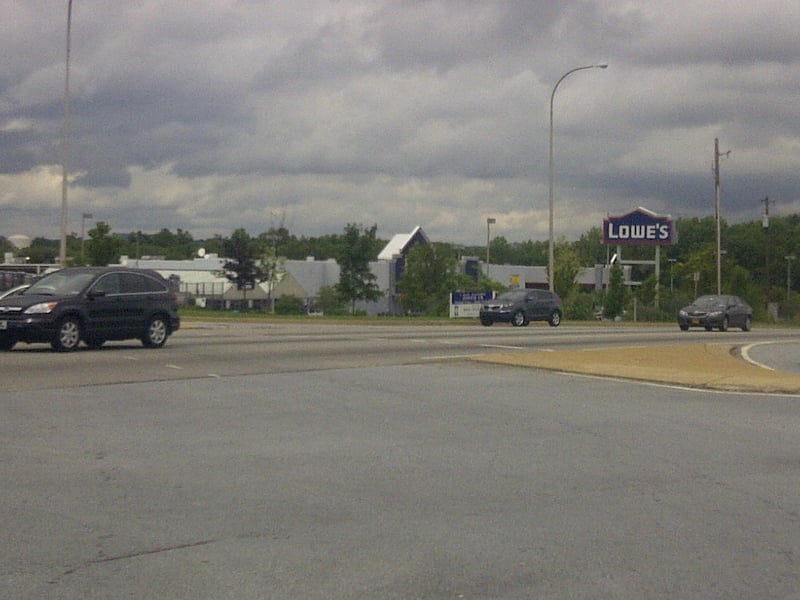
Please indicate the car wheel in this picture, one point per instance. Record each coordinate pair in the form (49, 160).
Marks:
(68, 335)
(7, 343)
(709, 328)
(555, 319)
(519, 319)
(724, 325)
(684, 328)
(748, 323)
(486, 322)
(156, 333)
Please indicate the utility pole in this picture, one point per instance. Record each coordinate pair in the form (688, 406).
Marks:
(717, 212)
(765, 225)
(62, 252)
(489, 222)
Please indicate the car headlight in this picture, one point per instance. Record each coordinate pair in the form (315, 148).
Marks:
(715, 313)
(42, 308)
(682, 313)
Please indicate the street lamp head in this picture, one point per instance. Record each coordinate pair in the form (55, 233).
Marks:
(602, 66)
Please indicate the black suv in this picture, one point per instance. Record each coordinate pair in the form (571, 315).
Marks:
(93, 305)
(520, 307)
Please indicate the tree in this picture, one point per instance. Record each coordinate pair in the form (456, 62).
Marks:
(328, 301)
(500, 251)
(356, 281)
(700, 271)
(425, 279)
(241, 268)
(590, 248)
(694, 234)
(42, 250)
(615, 295)
(567, 267)
(270, 267)
(214, 245)
(289, 305)
(102, 248)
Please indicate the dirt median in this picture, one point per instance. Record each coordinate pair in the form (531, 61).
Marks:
(705, 366)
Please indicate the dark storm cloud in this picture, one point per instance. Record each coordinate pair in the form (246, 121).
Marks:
(201, 114)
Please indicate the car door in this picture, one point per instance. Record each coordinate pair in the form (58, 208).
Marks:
(736, 312)
(535, 305)
(136, 292)
(103, 307)
(528, 305)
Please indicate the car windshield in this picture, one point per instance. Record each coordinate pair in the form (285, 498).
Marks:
(60, 284)
(511, 296)
(709, 301)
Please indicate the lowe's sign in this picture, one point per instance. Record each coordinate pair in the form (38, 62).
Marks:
(640, 227)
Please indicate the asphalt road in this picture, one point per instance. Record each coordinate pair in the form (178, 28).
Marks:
(241, 462)
(209, 350)
(779, 354)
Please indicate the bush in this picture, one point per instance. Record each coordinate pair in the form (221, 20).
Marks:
(579, 306)
(329, 302)
(289, 305)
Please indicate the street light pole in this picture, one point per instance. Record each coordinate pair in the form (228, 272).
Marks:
(551, 242)
(62, 255)
(765, 226)
(671, 278)
(489, 222)
(84, 216)
(789, 260)
(717, 212)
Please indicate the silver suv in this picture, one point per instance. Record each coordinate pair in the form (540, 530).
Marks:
(520, 307)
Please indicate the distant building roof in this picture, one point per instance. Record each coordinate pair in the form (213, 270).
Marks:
(401, 243)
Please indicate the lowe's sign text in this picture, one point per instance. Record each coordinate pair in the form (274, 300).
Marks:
(640, 227)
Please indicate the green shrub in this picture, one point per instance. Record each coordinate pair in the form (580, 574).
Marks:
(289, 305)
(579, 306)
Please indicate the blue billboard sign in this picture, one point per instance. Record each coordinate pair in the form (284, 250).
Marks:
(471, 297)
(639, 228)
(468, 304)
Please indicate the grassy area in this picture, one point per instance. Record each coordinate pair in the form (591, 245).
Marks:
(204, 314)
(232, 315)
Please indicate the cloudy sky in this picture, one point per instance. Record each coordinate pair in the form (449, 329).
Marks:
(209, 115)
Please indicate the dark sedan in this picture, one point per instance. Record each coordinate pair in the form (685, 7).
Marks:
(718, 311)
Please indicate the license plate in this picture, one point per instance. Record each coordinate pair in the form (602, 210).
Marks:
(695, 321)
(3, 325)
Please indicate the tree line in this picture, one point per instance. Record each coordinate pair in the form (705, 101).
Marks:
(754, 263)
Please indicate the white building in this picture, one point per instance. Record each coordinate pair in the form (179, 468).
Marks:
(202, 280)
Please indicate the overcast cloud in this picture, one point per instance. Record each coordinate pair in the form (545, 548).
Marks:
(209, 115)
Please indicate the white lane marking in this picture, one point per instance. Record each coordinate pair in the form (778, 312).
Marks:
(501, 347)
(176, 367)
(450, 356)
(746, 354)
